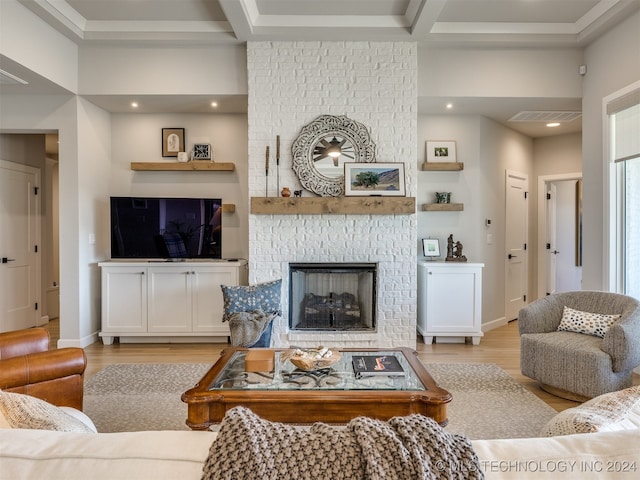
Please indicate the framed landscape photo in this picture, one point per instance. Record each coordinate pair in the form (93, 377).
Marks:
(172, 141)
(441, 151)
(374, 179)
(430, 247)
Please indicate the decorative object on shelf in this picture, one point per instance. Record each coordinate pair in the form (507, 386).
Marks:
(443, 197)
(312, 359)
(201, 151)
(454, 251)
(172, 141)
(377, 179)
(441, 151)
(322, 148)
(183, 157)
(297, 193)
(285, 192)
(430, 248)
(266, 173)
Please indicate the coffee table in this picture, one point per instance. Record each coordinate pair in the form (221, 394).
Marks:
(332, 395)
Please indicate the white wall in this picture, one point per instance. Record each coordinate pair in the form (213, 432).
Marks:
(136, 138)
(499, 72)
(34, 44)
(609, 69)
(143, 71)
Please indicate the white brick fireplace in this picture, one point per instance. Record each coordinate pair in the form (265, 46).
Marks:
(374, 83)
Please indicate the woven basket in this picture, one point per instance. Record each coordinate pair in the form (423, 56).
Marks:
(310, 364)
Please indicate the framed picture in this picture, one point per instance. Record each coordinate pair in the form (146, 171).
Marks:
(172, 141)
(430, 247)
(374, 179)
(201, 151)
(444, 151)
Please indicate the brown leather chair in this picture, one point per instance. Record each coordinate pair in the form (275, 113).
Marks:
(28, 366)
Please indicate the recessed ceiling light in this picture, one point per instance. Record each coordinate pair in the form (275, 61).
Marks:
(134, 104)
(214, 104)
(449, 106)
(553, 124)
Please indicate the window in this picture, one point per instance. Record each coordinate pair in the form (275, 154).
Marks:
(624, 141)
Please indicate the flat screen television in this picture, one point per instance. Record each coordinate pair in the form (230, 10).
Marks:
(166, 228)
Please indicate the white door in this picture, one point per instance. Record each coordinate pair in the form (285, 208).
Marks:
(552, 238)
(19, 241)
(516, 227)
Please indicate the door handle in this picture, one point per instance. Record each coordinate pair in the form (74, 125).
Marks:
(6, 260)
(512, 256)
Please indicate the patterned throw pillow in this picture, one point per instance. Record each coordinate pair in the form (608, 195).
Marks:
(24, 411)
(596, 324)
(265, 297)
(608, 412)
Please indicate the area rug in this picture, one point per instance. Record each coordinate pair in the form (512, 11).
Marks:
(487, 402)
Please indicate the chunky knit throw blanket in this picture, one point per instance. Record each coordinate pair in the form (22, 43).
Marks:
(247, 327)
(412, 447)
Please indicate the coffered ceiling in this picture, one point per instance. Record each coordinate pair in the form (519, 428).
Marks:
(525, 22)
(506, 23)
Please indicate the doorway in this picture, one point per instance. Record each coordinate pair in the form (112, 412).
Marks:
(559, 233)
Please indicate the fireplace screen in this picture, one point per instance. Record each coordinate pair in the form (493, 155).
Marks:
(332, 296)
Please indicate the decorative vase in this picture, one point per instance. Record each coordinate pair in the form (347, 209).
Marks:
(443, 197)
(285, 192)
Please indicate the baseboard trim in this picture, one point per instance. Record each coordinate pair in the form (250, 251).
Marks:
(493, 324)
(78, 343)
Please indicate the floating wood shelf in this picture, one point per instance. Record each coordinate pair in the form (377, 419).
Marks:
(443, 207)
(333, 205)
(443, 166)
(228, 208)
(183, 166)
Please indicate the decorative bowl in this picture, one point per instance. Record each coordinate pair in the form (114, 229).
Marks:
(310, 359)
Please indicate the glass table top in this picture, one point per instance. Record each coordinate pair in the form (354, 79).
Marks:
(340, 376)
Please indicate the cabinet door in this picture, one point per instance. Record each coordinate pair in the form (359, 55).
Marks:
(451, 300)
(208, 305)
(169, 299)
(124, 299)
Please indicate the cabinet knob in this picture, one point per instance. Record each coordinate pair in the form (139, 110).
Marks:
(430, 273)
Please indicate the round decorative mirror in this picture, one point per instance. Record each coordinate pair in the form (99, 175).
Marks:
(322, 148)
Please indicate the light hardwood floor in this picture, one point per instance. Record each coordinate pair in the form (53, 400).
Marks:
(500, 346)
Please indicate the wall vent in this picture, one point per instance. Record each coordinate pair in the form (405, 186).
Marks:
(545, 116)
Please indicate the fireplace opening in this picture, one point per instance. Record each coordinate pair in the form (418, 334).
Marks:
(332, 296)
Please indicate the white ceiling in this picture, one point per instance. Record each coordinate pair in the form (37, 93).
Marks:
(549, 23)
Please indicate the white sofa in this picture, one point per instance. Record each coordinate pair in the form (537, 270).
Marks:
(39, 454)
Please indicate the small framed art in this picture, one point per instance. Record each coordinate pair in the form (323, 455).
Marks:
(374, 179)
(172, 141)
(441, 151)
(430, 247)
(201, 151)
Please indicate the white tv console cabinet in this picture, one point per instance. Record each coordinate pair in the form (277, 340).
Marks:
(450, 301)
(159, 301)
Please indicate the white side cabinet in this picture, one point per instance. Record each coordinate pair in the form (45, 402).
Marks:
(450, 301)
(147, 300)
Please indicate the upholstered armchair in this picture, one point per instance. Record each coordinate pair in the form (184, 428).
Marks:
(583, 365)
(28, 366)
